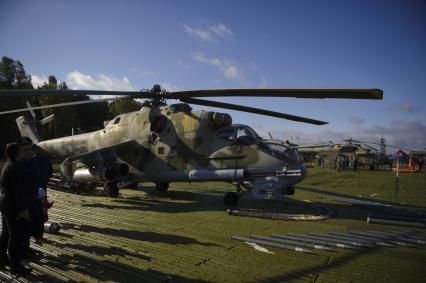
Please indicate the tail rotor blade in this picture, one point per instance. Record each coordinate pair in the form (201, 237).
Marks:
(47, 120)
(30, 108)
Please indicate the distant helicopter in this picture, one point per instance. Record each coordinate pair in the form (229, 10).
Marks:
(362, 150)
(331, 150)
(163, 143)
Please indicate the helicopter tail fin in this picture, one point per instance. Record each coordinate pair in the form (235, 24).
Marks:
(28, 128)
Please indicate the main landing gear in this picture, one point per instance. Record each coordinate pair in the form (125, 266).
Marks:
(162, 187)
(111, 189)
(231, 198)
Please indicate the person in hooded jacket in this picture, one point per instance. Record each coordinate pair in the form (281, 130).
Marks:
(17, 186)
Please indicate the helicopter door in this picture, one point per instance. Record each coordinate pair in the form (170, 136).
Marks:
(245, 146)
(164, 134)
(222, 148)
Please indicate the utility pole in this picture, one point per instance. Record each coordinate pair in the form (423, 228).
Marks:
(397, 178)
(382, 147)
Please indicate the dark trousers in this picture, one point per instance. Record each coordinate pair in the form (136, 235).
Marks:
(12, 233)
(35, 227)
(38, 225)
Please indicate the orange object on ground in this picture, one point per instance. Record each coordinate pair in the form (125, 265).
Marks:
(411, 168)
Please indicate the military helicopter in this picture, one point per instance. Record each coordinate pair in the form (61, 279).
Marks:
(163, 143)
(331, 149)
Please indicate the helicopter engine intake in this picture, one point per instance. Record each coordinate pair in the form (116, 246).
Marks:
(218, 120)
(101, 174)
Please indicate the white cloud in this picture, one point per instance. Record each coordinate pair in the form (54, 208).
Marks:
(231, 72)
(253, 66)
(169, 86)
(77, 80)
(263, 83)
(405, 107)
(38, 81)
(356, 120)
(203, 35)
(220, 30)
(406, 134)
(183, 64)
(211, 33)
(226, 67)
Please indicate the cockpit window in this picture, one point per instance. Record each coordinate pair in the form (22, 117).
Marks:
(227, 134)
(238, 132)
(246, 131)
(284, 152)
(117, 120)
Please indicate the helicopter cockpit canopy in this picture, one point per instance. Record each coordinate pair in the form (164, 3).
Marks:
(239, 133)
(243, 134)
(283, 151)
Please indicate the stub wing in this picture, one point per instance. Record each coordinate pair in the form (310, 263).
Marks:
(101, 161)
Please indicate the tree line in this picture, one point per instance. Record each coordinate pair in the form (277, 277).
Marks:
(80, 118)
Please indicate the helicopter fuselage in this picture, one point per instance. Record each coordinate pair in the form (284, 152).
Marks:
(172, 143)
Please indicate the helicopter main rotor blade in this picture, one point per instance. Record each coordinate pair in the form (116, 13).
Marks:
(159, 93)
(63, 104)
(50, 92)
(297, 93)
(251, 110)
(387, 145)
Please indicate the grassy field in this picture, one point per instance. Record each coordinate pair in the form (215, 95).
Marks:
(184, 235)
(376, 185)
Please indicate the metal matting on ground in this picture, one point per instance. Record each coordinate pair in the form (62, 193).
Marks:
(350, 240)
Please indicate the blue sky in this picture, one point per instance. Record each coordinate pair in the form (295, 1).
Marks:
(238, 44)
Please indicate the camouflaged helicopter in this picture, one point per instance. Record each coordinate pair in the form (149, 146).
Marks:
(163, 143)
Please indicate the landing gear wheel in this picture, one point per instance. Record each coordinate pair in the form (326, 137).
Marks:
(290, 191)
(230, 199)
(111, 189)
(162, 187)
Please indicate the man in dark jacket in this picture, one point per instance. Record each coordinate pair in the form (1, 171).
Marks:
(30, 173)
(43, 171)
(15, 206)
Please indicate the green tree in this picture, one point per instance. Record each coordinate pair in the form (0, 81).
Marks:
(122, 106)
(65, 117)
(86, 117)
(82, 118)
(12, 76)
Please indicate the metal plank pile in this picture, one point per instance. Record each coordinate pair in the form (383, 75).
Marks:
(351, 240)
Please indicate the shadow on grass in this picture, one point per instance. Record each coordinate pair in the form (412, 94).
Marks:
(102, 250)
(184, 201)
(152, 237)
(177, 201)
(101, 269)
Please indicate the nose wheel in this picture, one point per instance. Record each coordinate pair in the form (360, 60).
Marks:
(289, 191)
(231, 199)
(162, 187)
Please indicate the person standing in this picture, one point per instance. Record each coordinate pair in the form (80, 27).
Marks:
(43, 171)
(30, 185)
(15, 207)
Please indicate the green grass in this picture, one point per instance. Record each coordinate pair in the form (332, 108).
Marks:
(377, 185)
(184, 235)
